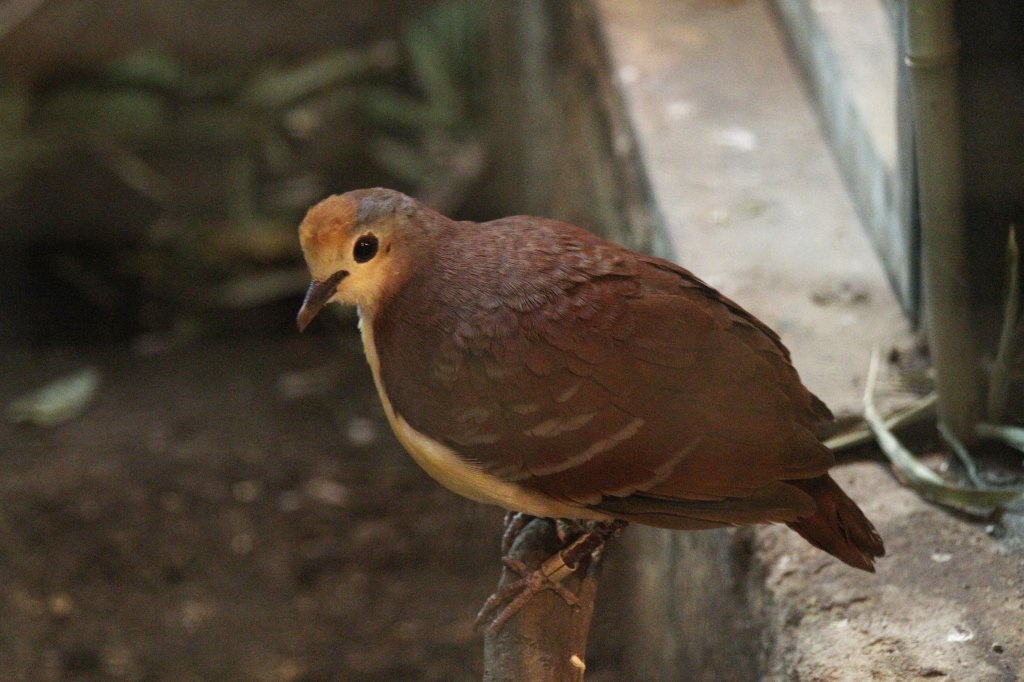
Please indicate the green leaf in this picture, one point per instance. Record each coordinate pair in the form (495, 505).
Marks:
(403, 160)
(148, 68)
(277, 87)
(433, 70)
(126, 115)
(391, 107)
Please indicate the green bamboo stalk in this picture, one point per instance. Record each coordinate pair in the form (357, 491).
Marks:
(1002, 368)
(932, 54)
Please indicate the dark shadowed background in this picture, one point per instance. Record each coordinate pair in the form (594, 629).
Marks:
(189, 490)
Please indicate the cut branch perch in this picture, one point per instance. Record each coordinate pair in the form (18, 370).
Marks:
(546, 640)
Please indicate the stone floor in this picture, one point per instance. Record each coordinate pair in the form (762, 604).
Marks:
(753, 202)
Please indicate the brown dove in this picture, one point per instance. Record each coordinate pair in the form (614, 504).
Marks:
(526, 363)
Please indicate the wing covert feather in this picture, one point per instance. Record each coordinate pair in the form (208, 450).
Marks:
(598, 377)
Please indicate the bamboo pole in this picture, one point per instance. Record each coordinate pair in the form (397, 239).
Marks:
(932, 55)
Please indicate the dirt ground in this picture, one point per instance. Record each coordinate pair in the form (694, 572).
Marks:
(231, 510)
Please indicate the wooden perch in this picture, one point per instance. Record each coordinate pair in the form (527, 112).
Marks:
(546, 640)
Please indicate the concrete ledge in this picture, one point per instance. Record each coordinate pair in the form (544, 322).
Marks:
(946, 603)
(753, 202)
(848, 54)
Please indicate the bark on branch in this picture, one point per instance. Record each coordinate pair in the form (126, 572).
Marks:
(546, 640)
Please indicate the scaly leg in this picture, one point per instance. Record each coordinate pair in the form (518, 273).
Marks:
(504, 603)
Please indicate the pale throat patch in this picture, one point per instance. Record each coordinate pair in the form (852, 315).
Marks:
(446, 467)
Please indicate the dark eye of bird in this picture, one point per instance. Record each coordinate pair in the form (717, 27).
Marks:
(365, 248)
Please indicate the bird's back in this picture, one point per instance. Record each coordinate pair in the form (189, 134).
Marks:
(601, 378)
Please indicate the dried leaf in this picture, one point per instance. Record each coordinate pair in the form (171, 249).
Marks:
(58, 401)
(916, 474)
(1010, 435)
(861, 433)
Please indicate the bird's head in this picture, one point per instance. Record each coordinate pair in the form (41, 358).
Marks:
(359, 247)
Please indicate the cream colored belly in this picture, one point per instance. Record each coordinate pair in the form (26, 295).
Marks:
(446, 467)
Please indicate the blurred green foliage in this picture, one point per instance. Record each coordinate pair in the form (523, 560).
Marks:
(229, 158)
(444, 59)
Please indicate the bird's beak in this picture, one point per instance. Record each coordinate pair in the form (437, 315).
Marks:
(317, 296)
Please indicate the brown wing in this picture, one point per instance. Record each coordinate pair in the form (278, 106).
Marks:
(600, 378)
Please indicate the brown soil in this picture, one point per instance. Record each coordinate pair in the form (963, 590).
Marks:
(202, 522)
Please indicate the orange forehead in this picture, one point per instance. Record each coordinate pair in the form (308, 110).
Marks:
(329, 222)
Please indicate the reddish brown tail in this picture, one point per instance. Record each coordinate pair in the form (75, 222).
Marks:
(839, 526)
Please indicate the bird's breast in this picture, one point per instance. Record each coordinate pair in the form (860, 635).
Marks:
(449, 469)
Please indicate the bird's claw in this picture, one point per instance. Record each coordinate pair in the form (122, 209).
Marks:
(514, 522)
(512, 597)
(507, 601)
(568, 530)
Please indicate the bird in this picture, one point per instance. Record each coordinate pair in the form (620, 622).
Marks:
(530, 364)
